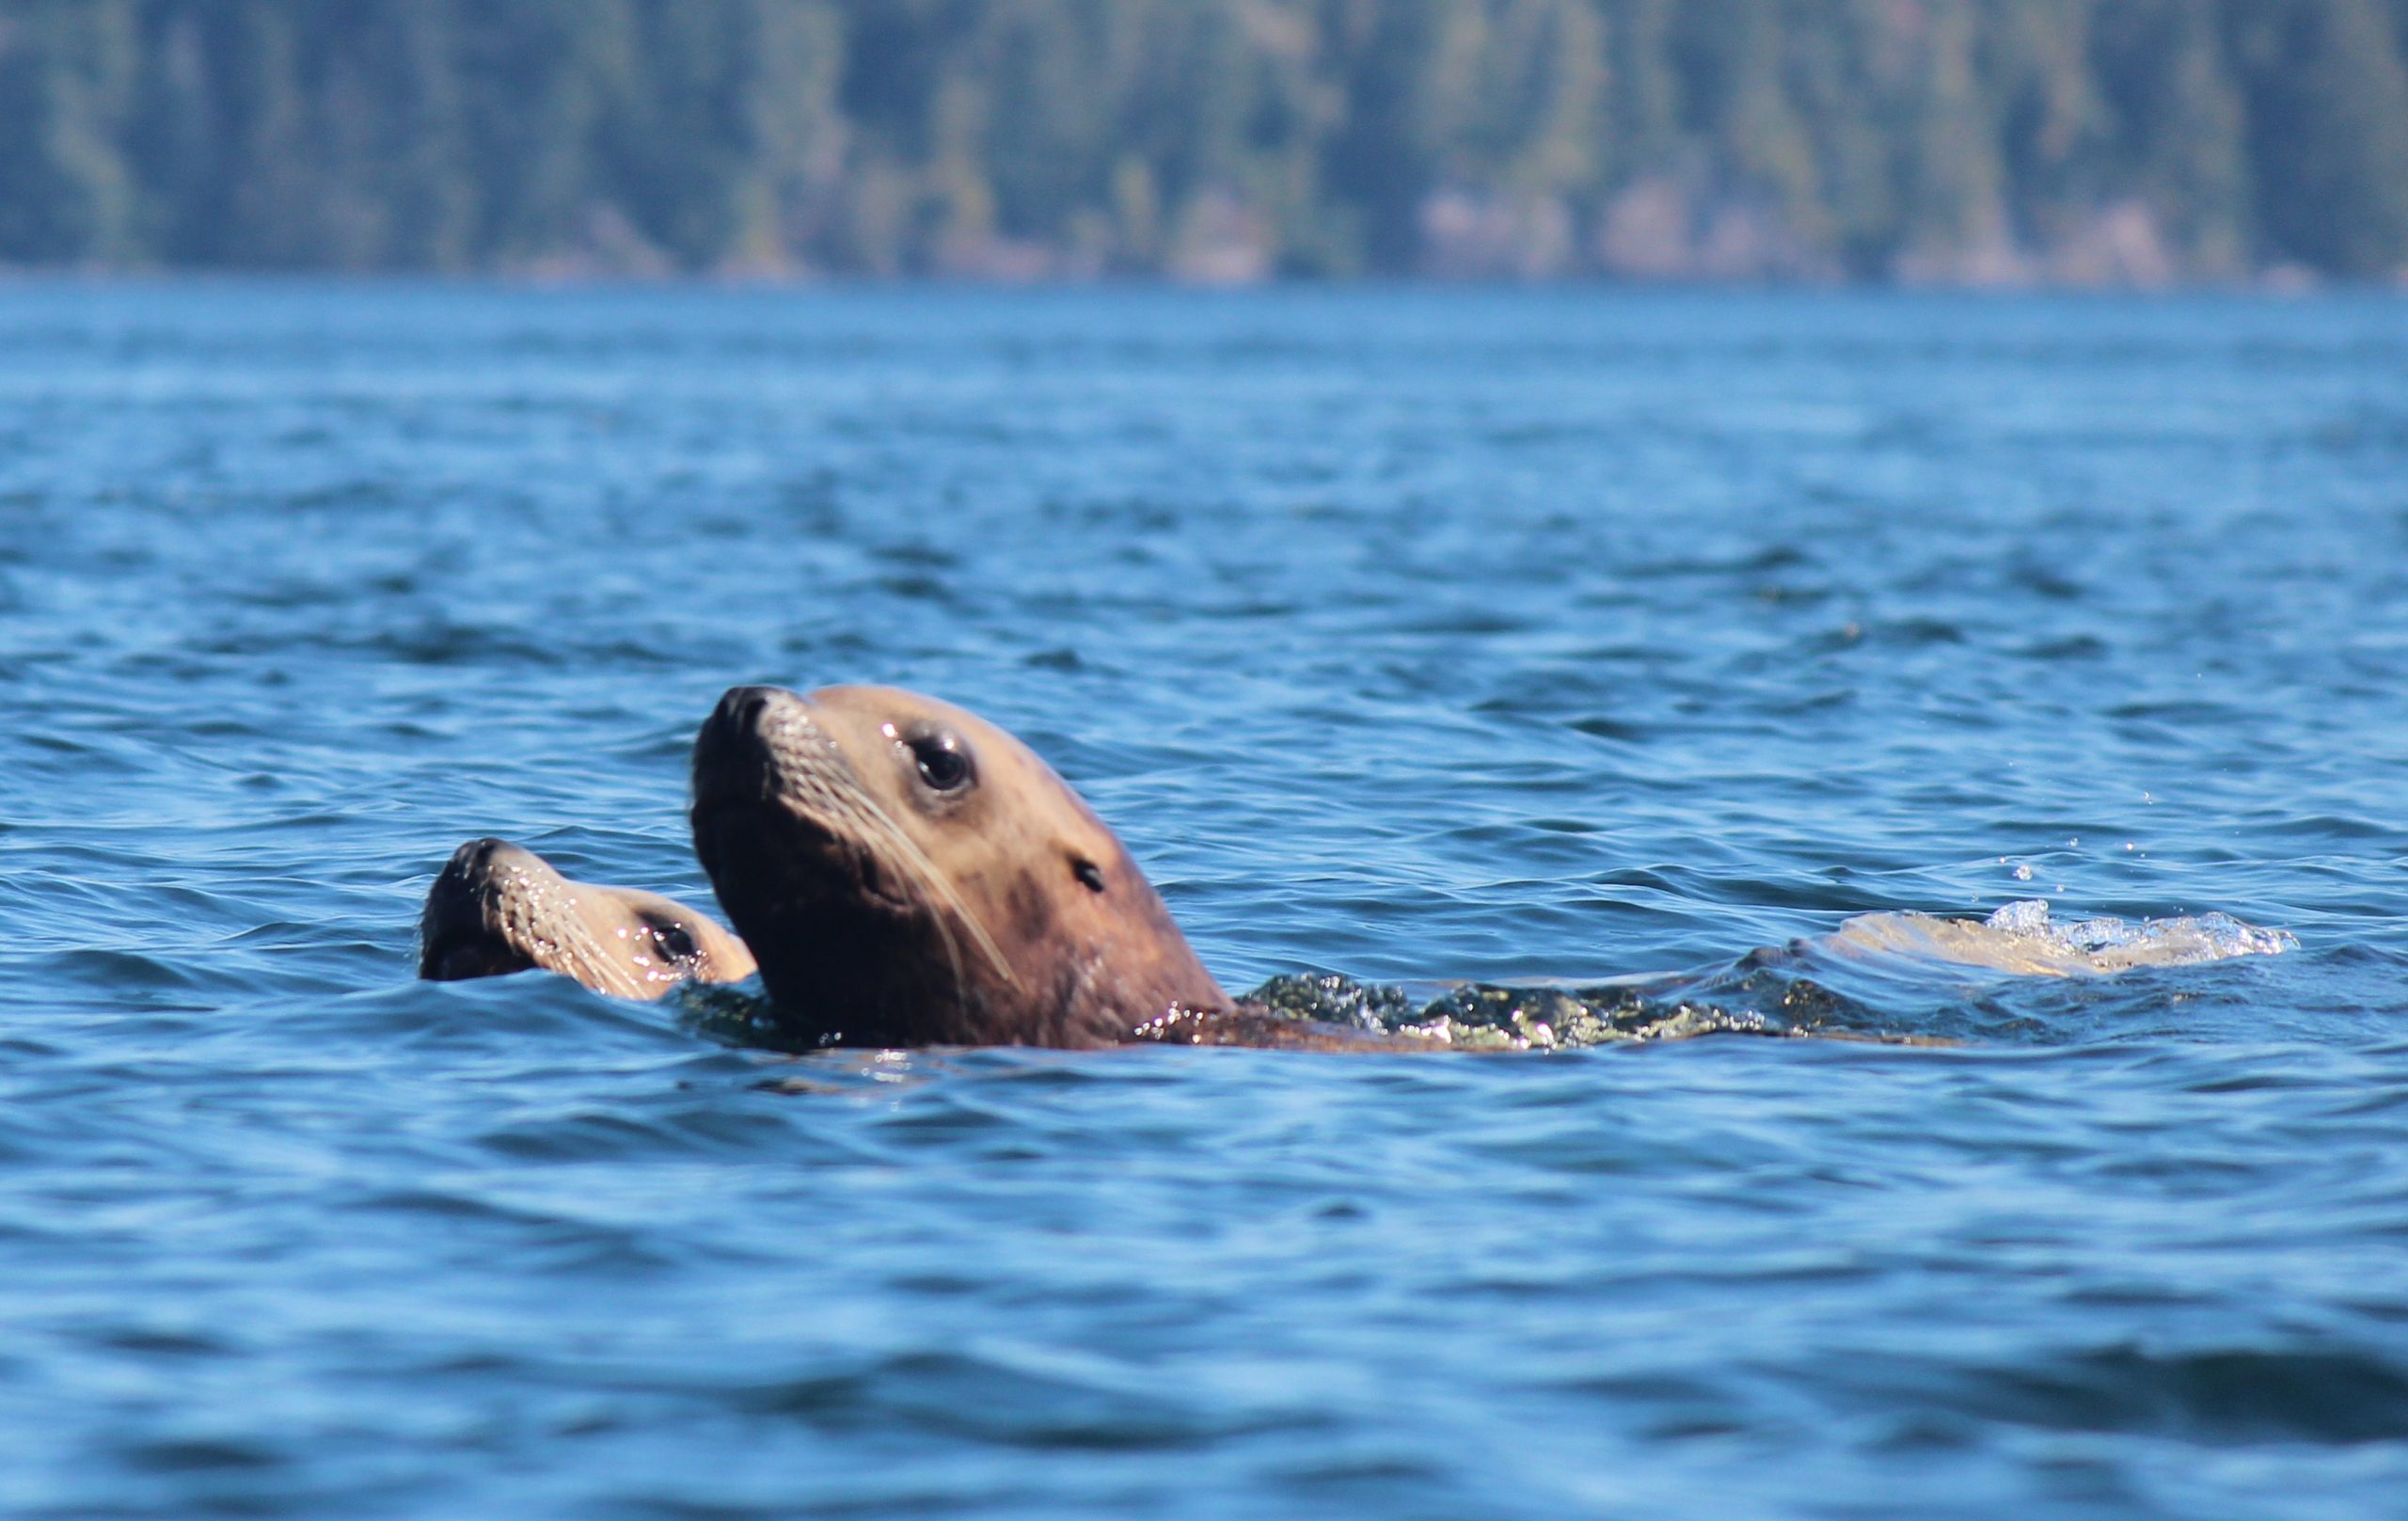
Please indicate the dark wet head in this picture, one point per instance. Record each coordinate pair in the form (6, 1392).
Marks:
(909, 873)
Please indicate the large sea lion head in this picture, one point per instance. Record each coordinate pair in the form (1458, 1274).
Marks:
(498, 908)
(909, 873)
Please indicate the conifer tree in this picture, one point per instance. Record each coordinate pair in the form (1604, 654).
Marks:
(1219, 139)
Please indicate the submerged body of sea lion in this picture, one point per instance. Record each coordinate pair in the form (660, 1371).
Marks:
(497, 908)
(2025, 940)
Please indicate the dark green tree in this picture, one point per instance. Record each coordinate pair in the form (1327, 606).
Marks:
(2327, 101)
(65, 71)
(1216, 138)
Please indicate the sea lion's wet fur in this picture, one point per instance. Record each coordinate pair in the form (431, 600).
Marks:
(497, 908)
(886, 910)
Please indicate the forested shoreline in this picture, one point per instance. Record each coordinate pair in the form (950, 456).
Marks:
(2081, 142)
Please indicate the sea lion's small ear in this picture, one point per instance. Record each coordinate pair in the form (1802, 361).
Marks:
(1090, 876)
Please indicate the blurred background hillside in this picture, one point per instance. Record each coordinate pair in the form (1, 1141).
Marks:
(1963, 141)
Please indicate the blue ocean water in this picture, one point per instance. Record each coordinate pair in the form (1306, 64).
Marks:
(1412, 634)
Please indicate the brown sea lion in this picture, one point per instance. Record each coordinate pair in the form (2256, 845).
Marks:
(909, 873)
(497, 908)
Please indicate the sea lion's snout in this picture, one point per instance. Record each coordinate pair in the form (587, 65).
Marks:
(742, 707)
(488, 857)
(766, 777)
(456, 934)
(735, 754)
(460, 960)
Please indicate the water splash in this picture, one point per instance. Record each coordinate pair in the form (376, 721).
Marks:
(2117, 943)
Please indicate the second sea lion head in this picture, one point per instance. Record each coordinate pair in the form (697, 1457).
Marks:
(497, 908)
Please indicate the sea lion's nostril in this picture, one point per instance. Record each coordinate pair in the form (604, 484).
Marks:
(741, 708)
(476, 855)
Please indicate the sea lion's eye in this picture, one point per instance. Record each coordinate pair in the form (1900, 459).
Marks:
(675, 941)
(1090, 876)
(944, 765)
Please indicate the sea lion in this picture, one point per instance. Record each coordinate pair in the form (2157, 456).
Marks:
(497, 908)
(909, 873)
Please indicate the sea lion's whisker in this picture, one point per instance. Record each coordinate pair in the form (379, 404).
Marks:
(572, 942)
(872, 820)
(934, 881)
(822, 786)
